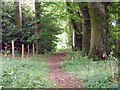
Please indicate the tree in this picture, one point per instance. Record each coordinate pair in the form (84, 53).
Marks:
(113, 10)
(37, 24)
(108, 34)
(18, 15)
(86, 30)
(75, 25)
(0, 28)
(49, 25)
(98, 30)
(71, 25)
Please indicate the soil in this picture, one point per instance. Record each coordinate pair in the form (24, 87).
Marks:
(61, 78)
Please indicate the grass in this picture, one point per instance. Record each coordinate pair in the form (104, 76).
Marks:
(31, 73)
(94, 74)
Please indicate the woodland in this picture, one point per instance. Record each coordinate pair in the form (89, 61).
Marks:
(59, 44)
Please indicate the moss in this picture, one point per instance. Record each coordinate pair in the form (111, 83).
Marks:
(86, 31)
(97, 30)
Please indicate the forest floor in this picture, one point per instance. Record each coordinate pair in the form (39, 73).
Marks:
(61, 78)
(62, 69)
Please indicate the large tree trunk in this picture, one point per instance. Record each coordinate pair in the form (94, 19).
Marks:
(18, 15)
(86, 30)
(98, 31)
(37, 24)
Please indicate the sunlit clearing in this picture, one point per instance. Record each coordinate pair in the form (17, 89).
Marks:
(63, 41)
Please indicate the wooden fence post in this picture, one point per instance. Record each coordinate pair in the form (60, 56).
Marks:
(6, 51)
(33, 49)
(13, 50)
(22, 51)
(28, 51)
(113, 69)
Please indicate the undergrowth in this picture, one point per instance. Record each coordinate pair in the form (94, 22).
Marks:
(94, 74)
(25, 73)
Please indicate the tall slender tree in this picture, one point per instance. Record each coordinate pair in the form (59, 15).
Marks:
(37, 24)
(76, 37)
(18, 15)
(71, 25)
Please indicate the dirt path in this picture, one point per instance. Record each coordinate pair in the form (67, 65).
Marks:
(60, 77)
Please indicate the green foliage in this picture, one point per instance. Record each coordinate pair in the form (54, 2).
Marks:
(112, 57)
(31, 73)
(10, 31)
(50, 25)
(52, 15)
(114, 12)
(95, 74)
(7, 20)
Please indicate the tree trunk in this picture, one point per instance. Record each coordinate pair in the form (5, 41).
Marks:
(86, 30)
(106, 25)
(71, 27)
(73, 37)
(18, 15)
(76, 37)
(0, 27)
(37, 24)
(98, 31)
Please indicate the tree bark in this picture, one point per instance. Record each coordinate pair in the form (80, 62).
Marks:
(1, 15)
(18, 15)
(86, 30)
(98, 31)
(106, 25)
(37, 24)
(76, 37)
(71, 26)
(78, 34)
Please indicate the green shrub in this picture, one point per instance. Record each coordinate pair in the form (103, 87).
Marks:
(94, 74)
(25, 74)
